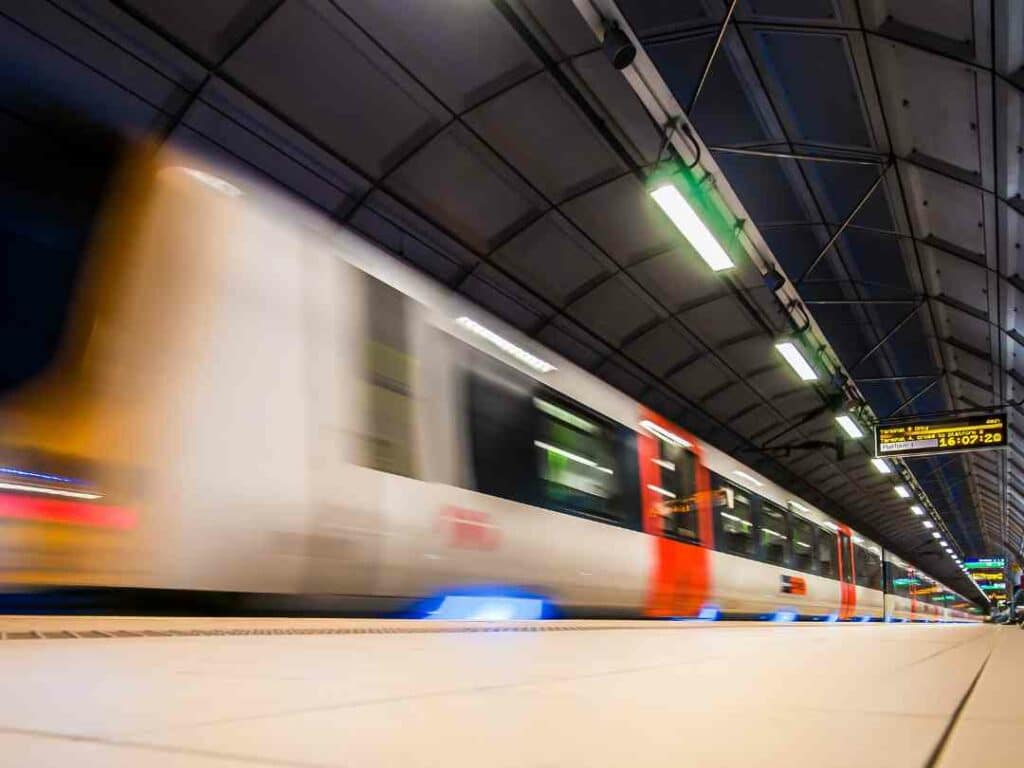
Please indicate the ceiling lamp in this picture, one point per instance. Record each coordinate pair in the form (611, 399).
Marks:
(928, 524)
(917, 510)
(792, 354)
(902, 492)
(667, 195)
(850, 427)
(882, 466)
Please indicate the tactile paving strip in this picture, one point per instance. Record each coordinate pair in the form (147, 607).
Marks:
(412, 628)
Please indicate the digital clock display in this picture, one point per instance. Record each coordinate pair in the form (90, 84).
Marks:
(932, 436)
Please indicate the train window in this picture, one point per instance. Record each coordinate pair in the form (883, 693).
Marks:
(900, 580)
(827, 564)
(869, 568)
(677, 468)
(803, 543)
(575, 455)
(774, 530)
(387, 444)
(845, 559)
(501, 438)
(734, 511)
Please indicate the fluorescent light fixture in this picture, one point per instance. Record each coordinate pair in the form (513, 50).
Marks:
(24, 488)
(691, 226)
(506, 346)
(665, 464)
(928, 524)
(902, 492)
(572, 456)
(659, 490)
(215, 183)
(882, 466)
(850, 426)
(796, 361)
(798, 506)
(917, 510)
(936, 535)
(942, 542)
(749, 478)
(664, 434)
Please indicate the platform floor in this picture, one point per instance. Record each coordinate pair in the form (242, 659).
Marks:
(368, 693)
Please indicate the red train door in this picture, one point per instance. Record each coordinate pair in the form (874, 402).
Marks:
(847, 575)
(675, 489)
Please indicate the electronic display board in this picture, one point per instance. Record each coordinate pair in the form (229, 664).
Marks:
(946, 435)
(989, 573)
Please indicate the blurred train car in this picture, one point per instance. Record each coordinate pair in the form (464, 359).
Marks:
(253, 400)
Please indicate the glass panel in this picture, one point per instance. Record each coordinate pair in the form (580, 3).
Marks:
(803, 544)
(902, 582)
(501, 439)
(827, 553)
(387, 444)
(873, 565)
(774, 534)
(860, 561)
(678, 469)
(576, 461)
(737, 526)
(847, 559)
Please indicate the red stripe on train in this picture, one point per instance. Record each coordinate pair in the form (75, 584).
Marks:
(680, 572)
(23, 507)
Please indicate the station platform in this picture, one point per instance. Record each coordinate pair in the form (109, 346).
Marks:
(364, 693)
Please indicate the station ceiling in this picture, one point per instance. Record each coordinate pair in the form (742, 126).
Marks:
(492, 144)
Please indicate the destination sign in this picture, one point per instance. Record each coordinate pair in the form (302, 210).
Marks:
(990, 575)
(985, 563)
(948, 435)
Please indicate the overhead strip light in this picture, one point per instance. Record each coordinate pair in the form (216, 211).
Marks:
(691, 226)
(902, 492)
(882, 466)
(796, 361)
(850, 427)
(936, 535)
(749, 478)
(917, 510)
(928, 524)
(506, 346)
(24, 488)
(664, 434)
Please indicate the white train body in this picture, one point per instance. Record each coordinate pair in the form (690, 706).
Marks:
(240, 347)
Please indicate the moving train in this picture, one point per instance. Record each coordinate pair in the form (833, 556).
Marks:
(252, 400)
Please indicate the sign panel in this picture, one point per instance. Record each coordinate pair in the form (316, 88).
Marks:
(989, 573)
(946, 435)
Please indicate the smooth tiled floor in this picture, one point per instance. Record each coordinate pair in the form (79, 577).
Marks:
(577, 693)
